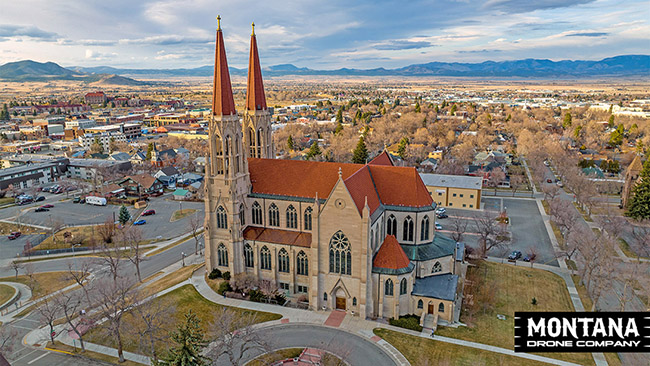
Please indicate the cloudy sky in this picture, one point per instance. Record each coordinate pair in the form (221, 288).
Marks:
(323, 34)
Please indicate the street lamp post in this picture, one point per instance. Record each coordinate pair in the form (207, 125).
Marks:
(74, 257)
(183, 258)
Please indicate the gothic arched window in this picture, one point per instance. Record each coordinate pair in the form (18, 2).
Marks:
(407, 229)
(308, 212)
(388, 287)
(248, 256)
(302, 263)
(340, 254)
(257, 213)
(391, 228)
(402, 286)
(222, 256)
(441, 308)
(222, 218)
(274, 215)
(265, 258)
(424, 228)
(283, 261)
(420, 304)
(242, 215)
(437, 267)
(292, 217)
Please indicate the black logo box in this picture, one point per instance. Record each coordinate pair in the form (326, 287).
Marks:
(545, 337)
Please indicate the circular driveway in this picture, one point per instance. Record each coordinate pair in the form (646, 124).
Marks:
(353, 349)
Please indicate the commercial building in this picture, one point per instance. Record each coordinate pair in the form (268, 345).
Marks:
(457, 191)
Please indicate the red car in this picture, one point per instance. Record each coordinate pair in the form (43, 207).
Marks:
(149, 212)
(14, 235)
(549, 181)
(47, 206)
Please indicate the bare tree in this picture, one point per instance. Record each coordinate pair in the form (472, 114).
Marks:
(32, 283)
(48, 311)
(627, 275)
(496, 177)
(195, 224)
(150, 320)
(111, 255)
(16, 266)
(114, 299)
(235, 336)
(107, 230)
(70, 304)
(8, 335)
(641, 238)
(492, 233)
(131, 237)
(458, 228)
(516, 181)
(80, 276)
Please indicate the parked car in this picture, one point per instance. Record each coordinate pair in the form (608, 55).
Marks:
(441, 210)
(560, 184)
(140, 222)
(40, 198)
(41, 209)
(14, 235)
(530, 257)
(546, 163)
(76, 200)
(549, 180)
(442, 215)
(47, 206)
(514, 255)
(438, 226)
(83, 200)
(149, 212)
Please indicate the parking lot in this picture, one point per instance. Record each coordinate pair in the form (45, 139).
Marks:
(526, 227)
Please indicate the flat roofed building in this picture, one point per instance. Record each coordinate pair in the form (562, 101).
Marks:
(457, 191)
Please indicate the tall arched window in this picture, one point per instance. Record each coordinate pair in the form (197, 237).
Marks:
(274, 215)
(308, 212)
(407, 229)
(340, 254)
(372, 239)
(391, 228)
(292, 217)
(265, 258)
(222, 219)
(420, 304)
(424, 228)
(222, 256)
(388, 287)
(302, 263)
(441, 308)
(248, 256)
(257, 213)
(283, 261)
(242, 215)
(402, 286)
(437, 267)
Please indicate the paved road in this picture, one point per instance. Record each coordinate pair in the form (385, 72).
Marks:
(351, 348)
(159, 225)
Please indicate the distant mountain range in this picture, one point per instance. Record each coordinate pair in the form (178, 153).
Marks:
(619, 66)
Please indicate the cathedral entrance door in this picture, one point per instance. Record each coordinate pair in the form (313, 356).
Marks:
(430, 309)
(340, 303)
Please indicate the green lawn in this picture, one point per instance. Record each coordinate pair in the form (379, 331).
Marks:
(625, 247)
(46, 282)
(514, 289)
(184, 298)
(6, 293)
(181, 214)
(422, 351)
(6, 200)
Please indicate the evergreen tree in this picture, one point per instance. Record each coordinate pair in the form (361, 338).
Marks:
(124, 216)
(338, 129)
(437, 109)
(396, 102)
(360, 154)
(401, 148)
(189, 344)
(149, 151)
(639, 205)
(4, 115)
(610, 123)
(576, 132)
(611, 107)
(339, 116)
(290, 143)
(616, 137)
(453, 110)
(417, 107)
(567, 120)
(313, 150)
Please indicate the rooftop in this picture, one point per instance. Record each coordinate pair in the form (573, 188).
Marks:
(278, 236)
(452, 181)
(441, 287)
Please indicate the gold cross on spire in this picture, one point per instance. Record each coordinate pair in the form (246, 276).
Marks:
(253, 24)
(218, 22)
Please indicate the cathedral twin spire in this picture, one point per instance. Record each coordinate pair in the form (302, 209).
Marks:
(223, 103)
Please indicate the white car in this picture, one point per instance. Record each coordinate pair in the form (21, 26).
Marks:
(440, 210)
(438, 226)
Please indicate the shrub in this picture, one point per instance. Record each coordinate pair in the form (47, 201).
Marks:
(216, 273)
(280, 298)
(534, 301)
(409, 321)
(224, 287)
(226, 276)
(256, 295)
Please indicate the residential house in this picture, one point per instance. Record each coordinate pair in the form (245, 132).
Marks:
(168, 175)
(141, 185)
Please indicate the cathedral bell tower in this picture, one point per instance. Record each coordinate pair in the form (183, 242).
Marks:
(257, 119)
(227, 182)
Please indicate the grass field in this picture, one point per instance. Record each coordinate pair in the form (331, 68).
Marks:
(80, 234)
(279, 355)
(422, 351)
(7, 228)
(46, 282)
(6, 200)
(181, 214)
(625, 247)
(182, 300)
(171, 279)
(89, 354)
(6, 293)
(515, 288)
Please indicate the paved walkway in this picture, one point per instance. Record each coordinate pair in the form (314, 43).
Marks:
(22, 294)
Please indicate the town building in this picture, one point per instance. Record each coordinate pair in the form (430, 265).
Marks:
(103, 138)
(457, 191)
(631, 177)
(29, 175)
(354, 237)
(95, 98)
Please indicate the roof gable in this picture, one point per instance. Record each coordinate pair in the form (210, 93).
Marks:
(361, 187)
(391, 255)
(382, 159)
(400, 186)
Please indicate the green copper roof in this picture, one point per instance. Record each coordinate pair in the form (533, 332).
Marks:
(441, 246)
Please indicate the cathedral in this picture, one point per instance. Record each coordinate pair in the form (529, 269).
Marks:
(353, 237)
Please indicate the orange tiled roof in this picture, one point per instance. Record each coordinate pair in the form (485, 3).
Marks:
(360, 186)
(391, 255)
(382, 159)
(222, 101)
(255, 98)
(278, 236)
(400, 186)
